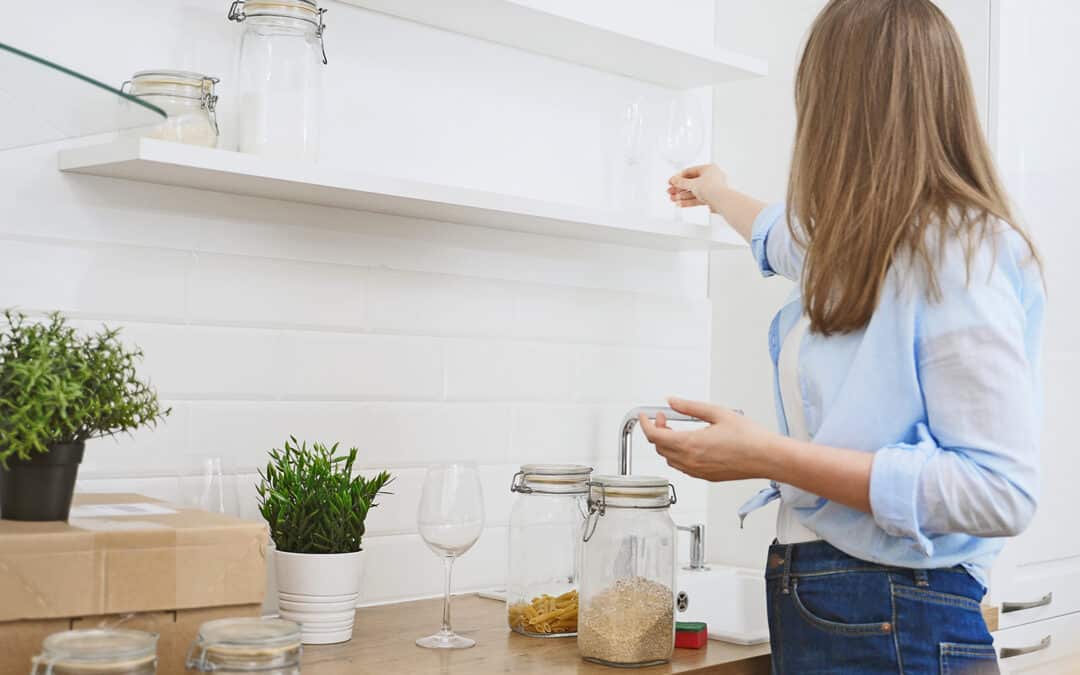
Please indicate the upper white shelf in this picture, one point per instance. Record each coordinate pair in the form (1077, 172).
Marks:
(166, 163)
(513, 23)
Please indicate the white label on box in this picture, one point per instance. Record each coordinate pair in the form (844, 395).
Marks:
(105, 525)
(114, 510)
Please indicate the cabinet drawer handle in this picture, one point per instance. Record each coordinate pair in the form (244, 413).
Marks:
(1045, 600)
(1009, 652)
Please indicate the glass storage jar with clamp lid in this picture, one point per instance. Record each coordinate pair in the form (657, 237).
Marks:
(246, 645)
(545, 540)
(97, 652)
(279, 77)
(628, 567)
(189, 100)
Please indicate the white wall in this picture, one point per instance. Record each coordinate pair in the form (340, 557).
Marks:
(416, 341)
(755, 126)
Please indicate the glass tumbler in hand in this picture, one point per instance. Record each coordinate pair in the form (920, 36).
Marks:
(450, 520)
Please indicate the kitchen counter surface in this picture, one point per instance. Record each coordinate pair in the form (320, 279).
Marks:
(383, 643)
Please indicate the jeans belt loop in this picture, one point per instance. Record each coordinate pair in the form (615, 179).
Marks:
(922, 580)
(785, 575)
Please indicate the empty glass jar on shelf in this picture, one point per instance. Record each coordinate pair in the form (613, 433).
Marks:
(187, 98)
(97, 652)
(628, 567)
(545, 539)
(246, 645)
(279, 77)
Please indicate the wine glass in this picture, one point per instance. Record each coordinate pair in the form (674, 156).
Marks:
(684, 134)
(450, 519)
(631, 172)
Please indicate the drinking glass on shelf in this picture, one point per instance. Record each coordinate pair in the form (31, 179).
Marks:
(684, 134)
(201, 483)
(450, 519)
(631, 171)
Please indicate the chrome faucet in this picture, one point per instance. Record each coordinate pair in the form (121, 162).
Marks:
(630, 420)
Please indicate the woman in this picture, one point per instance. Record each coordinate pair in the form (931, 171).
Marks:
(906, 360)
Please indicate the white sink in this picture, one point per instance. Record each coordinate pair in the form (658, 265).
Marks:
(730, 600)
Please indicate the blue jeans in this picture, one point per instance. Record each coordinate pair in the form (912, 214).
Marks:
(830, 613)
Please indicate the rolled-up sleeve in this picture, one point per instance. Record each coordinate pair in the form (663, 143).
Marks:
(973, 467)
(773, 246)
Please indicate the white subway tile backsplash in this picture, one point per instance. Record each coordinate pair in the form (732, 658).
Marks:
(88, 279)
(264, 291)
(672, 322)
(574, 314)
(155, 447)
(658, 374)
(345, 366)
(387, 434)
(402, 567)
(603, 375)
(508, 371)
(432, 304)
(560, 434)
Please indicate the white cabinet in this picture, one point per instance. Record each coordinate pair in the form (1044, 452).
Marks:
(1038, 150)
(1045, 647)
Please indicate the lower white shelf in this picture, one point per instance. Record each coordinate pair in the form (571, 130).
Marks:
(166, 163)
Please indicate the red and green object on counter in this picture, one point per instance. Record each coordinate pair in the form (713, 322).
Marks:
(691, 634)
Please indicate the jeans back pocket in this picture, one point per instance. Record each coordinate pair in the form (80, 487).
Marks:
(968, 659)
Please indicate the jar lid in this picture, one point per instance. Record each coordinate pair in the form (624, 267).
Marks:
(99, 647)
(552, 479)
(305, 9)
(180, 77)
(645, 486)
(555, 470)
(248, 634)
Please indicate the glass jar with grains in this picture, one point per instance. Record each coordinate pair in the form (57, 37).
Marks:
(627, 614)
(545, 538)
(97, 652)
(246, 645)
(187, 98)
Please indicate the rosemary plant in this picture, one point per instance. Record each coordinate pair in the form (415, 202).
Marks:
(57, 386)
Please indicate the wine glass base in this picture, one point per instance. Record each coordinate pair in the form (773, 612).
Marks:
(445, 641)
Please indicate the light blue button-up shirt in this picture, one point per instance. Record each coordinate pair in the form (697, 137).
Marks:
(946, 394)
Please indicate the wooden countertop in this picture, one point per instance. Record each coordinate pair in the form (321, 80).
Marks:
(383, 643)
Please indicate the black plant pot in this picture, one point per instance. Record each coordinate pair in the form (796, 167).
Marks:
(40, 488)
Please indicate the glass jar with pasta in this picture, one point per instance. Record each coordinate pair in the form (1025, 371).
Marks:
(545, 540)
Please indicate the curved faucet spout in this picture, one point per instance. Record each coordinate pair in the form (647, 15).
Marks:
(630, 420)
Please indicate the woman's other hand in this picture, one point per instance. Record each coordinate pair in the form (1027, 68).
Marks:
(730, 448)
(698, 186)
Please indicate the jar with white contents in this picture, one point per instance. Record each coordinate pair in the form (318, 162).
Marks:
(189, 100)
(279, 77)
(246, 645)
(97, 652)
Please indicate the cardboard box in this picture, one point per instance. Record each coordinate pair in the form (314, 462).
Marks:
(122, 553)
(129, 561)
(22, 639)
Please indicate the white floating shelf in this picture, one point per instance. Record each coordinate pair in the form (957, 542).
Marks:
(515, 24)
(166, 163)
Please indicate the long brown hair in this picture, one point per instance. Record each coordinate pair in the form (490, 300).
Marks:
(888, 149)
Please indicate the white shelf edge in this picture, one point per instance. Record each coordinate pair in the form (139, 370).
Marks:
(534, 30)
(165, 163)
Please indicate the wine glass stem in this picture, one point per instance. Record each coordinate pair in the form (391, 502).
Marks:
(448, 565)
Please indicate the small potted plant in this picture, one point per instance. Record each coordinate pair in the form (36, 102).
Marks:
(57, 389)
(316, 508)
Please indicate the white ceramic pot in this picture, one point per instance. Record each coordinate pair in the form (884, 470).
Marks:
(319, 592)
